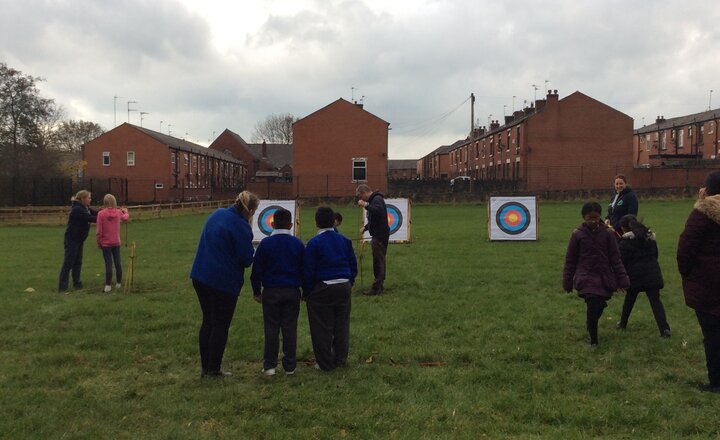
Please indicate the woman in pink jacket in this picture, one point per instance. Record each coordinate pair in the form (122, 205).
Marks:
(108, 238)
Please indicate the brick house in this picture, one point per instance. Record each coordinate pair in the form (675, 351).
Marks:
(436, 164)
(147, 166)
(402, 169)
(338, 147)
(556, 144)
(263, 160)
(672, 142)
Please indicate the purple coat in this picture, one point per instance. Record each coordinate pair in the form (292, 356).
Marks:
(592, 263)
(698, 256)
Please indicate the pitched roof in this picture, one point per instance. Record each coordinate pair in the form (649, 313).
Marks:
(402, 164)
(278, 155)
(680, 121)
(341, 100)
(184, 145)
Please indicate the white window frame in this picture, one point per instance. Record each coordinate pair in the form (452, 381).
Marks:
(355, 166)
(681, 141)
(106, 158)
(131, 161)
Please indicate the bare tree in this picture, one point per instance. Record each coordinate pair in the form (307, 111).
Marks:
(72, 135)
(275, 129)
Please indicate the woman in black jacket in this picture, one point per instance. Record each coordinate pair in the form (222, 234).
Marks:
(76, 232)
(623, 203)
(639, 253)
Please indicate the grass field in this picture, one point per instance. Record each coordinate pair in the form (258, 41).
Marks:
(516, 359)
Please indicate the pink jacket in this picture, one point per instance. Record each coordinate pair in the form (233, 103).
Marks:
(108, 226)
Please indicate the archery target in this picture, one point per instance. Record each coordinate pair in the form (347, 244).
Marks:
(398, 213)
(263, 218)
(513, 218)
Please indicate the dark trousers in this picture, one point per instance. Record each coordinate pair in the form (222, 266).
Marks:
(655, 303)
(281, 307)
(217, 313)
(379, 253)
(595, 307)
(328, 308)
(710, 326)
(112, 254)
(71, 262)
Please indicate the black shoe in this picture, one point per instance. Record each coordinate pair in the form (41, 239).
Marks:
(620, 326)
(216, 374)
(666, 333)
(706, 387)
(78, 286)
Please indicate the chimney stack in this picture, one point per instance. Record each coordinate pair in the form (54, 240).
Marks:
(494, 125)
(659, 119)
(264, 150)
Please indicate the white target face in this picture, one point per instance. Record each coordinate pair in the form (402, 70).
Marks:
(513, 218)
(262, 220)
(398, 212)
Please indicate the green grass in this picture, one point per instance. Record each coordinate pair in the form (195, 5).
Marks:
(517, 363)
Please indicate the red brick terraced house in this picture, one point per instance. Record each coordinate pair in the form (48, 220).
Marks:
(574, 143)
(402, 169)
(263, 160)
(676, 141)
(436, 164)
(146, 166)
(337, 148)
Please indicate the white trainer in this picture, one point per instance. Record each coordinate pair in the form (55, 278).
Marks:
(269, 372)
(107, 288)
(118, 286)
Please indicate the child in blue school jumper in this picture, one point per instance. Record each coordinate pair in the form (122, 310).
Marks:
(329, 270)
(276, 280)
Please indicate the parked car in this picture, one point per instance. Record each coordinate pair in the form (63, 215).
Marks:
(459, 179)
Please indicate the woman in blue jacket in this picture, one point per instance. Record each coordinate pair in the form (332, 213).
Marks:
(224, 251)
(623, 203)
(76, 232)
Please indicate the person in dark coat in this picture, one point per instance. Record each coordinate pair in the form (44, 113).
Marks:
(593, 266)
(218, 273)
(623, 203)
(639, 254)
(379, 229)
(698, 258)
(78, 226)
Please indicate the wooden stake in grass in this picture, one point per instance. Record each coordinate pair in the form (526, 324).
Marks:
(130, 270)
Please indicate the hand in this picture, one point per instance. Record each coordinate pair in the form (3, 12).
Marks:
(702, 193)
(258, 298)
(362, 203)
(362, 230)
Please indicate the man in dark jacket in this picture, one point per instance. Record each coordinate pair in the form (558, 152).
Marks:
(379, 230)
(698, 260)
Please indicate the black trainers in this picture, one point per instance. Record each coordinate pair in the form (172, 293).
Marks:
(666, 333)
(707, 388)
(620, 326)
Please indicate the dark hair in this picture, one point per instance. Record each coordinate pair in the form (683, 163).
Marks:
(282, 219)
(621, 176)
(712, 183)
(324, 217)
(631, 223)
(338, 217)
(589, 207)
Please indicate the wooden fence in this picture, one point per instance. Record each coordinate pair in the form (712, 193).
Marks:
(57, 215)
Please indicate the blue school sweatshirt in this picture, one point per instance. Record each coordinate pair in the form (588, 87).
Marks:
(328, 256)
(224, 251)
(278, 262)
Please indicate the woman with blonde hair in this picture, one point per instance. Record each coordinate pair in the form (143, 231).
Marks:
(78, 226)
(108, 238)
(224, 251)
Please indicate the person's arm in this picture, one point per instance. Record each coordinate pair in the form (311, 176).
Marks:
(350, 252)
(124, 214)
(632, 205)
(690, 241)
(257, 272)
(243, 245)
(99, 231)
(571, 257)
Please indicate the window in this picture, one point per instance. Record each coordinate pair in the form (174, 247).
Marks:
(647, 142)
(106, 158)
(131, 158)
(359, 169)
(663, 144)
(681, 141)
(701, 135)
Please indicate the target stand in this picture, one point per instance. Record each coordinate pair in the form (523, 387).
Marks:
(512, 218)
(399, 221)
(263, 218)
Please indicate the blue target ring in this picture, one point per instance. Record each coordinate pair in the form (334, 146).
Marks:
(395, 218)
(513, 218)
(265, 219)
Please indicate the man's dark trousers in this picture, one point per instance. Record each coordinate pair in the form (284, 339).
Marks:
(281, 307)
(328, 309)
(710, 326)
(379, 252)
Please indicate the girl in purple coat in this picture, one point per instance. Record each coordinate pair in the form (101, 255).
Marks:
(698, 258)
(593, 266)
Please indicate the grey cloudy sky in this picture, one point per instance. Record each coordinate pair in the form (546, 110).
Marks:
(205, 65)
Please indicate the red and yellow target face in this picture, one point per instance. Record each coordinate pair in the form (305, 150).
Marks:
(513, 218)
(395, 218)
(265, 219)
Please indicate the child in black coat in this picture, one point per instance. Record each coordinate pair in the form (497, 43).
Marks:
(639, 253)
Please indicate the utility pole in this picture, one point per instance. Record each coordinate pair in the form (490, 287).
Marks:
(472, 113)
